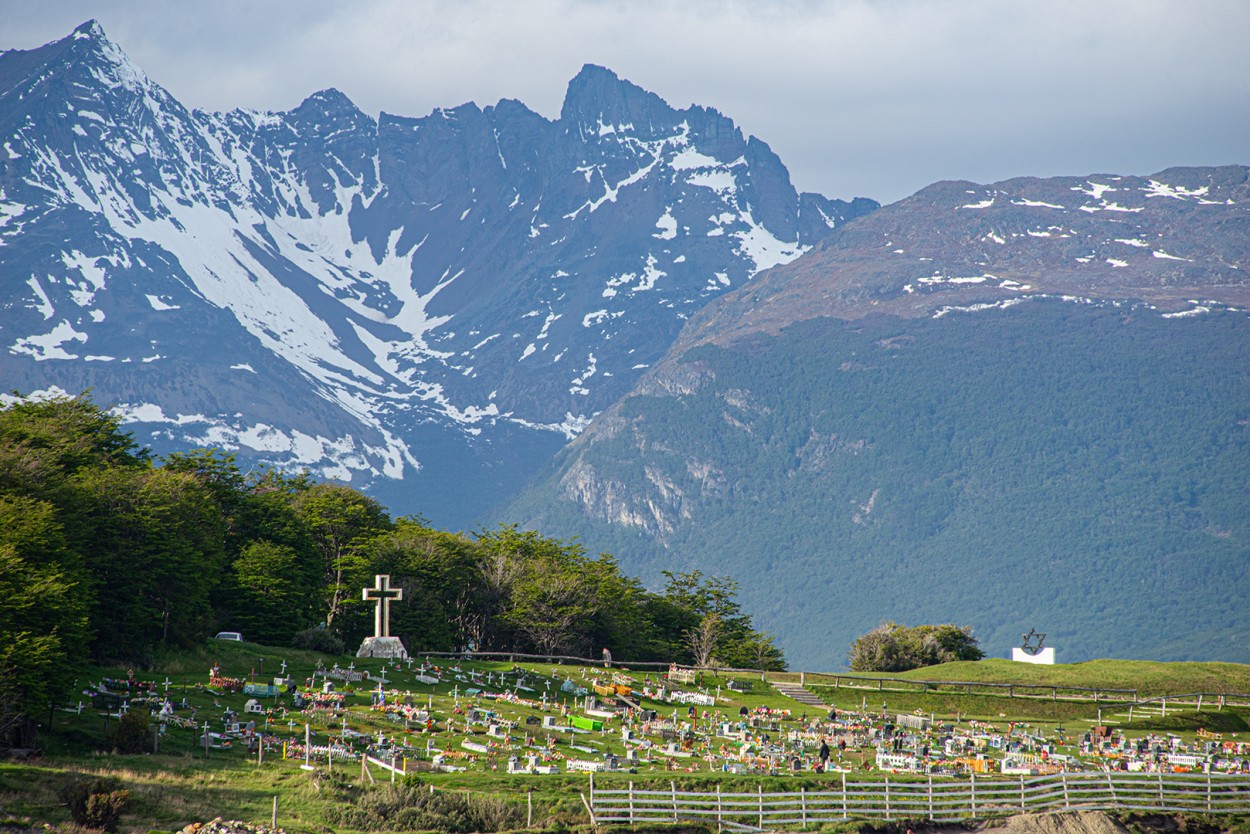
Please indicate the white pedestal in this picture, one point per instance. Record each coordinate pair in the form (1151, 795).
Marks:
(1046, 656)
(388, 647)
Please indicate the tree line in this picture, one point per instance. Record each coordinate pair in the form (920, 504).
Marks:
(108, 553)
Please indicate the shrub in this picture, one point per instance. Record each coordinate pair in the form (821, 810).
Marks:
(409, 807)
(133, 733)
(96, 803)
(891, 647)
(317, 639)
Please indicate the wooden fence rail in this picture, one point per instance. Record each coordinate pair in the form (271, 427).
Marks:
(937, 800)
(1035, 691)
(830, 680)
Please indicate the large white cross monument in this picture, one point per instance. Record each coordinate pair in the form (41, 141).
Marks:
(382, 644)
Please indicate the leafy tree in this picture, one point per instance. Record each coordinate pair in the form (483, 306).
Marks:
(735, 642)
(540, 588)
(43, 619)
(891, 647)
(703, 638)
(342, 522)
(620, 620)
(155, 554)
(757, 651)
(276, 593)
(67, 433)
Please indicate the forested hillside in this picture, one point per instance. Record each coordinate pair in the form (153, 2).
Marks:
(1074, 466)
(107, 554)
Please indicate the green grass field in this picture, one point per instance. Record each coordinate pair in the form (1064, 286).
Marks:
(182, 784)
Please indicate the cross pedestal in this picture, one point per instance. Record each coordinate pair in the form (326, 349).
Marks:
(382, 644)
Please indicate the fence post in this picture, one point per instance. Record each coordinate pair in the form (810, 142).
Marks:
(803, 805)
(845, 815)
(529, 808)
(631, 803)
(974, 795)
(1160, 788)
(589, 810)
(1064, 775)
(1208, 791)
(887, 797)
(719, 818)
(760, 788)
(1111, 784)
(1199, 702)
(930, 796)
(1021, 791)
(673, 787)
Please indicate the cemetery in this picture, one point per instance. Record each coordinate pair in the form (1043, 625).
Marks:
(450, 722)
(597, 743)
(440, 715)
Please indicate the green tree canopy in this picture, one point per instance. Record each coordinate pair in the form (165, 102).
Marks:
(891, 647)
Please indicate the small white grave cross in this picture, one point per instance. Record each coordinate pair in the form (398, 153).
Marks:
(167, 683)
(381, 594)
(284, 667)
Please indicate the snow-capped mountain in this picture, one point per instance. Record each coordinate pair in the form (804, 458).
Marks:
(1009, 405)
(431, 305)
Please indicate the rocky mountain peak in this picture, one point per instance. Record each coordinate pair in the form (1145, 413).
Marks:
(598, 100)
(454, 295)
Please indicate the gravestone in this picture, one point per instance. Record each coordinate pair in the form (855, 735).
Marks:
(382, 644)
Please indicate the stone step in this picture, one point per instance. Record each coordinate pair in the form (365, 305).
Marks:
(799, 693)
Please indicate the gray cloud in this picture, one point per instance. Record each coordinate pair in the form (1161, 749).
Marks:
(857, 97)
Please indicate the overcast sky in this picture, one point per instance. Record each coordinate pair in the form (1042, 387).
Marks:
(856, 97)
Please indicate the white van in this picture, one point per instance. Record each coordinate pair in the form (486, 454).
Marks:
(229, 635)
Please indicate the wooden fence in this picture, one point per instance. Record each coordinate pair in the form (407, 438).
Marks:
(940, 800)
(1036, 691)
(816, 681)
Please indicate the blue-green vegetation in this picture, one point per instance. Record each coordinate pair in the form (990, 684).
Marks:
(1075, 467)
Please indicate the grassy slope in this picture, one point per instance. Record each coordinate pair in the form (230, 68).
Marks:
(1150, 678)
(179, 785)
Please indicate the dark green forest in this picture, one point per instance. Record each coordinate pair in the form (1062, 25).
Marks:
(1077, 468)
(109, 555)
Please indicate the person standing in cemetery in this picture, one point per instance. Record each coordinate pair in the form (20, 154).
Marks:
(607, 657)
(824, 753)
